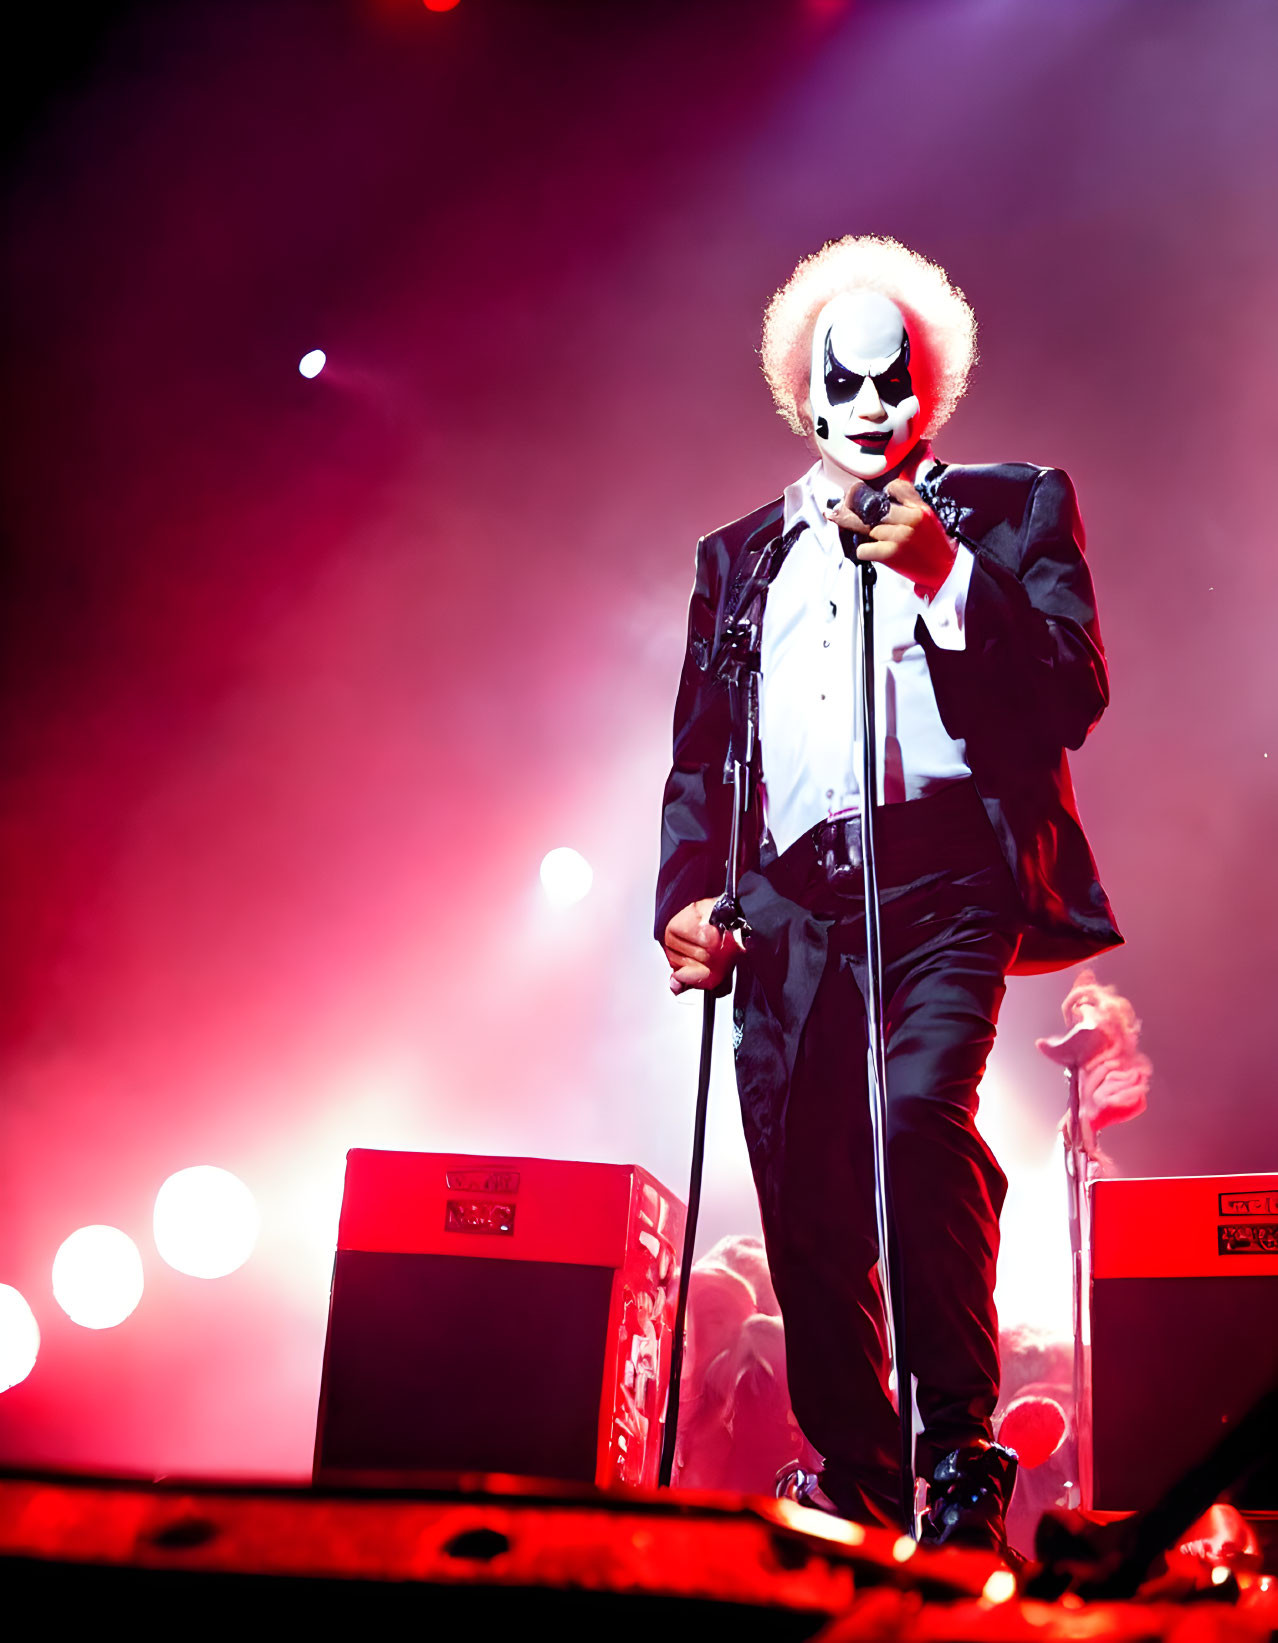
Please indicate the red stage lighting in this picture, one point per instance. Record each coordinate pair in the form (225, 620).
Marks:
(206, 1221)
(97, 1277)
(1035, 1427)
(566, 876)
(19, 1338)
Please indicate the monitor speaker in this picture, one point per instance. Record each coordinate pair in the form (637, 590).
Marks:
(1184, 1331)
(506, 1315)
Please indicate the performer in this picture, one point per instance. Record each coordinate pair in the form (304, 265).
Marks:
(989, 666)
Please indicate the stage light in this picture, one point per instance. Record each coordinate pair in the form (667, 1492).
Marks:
(19, 1338)
(97, 1277)
(904, 1548)
(1035, 1426)
(1000, 1586)
(439, 5)
(310, 365)
(566, 876)
(206, 1221)
(819, 1524)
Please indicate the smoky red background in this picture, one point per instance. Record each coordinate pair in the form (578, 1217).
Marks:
(302, 678)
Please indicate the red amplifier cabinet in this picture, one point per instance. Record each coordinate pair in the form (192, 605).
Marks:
(1184, 1330)
(499, 1315)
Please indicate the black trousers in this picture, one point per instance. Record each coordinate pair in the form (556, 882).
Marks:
(950, 917)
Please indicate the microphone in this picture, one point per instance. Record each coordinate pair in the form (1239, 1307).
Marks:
(871, 505)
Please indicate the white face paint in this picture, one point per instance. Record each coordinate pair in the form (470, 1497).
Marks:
(864, 407)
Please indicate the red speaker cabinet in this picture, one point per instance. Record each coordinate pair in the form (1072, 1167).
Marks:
(1184, 1330)
(499, 1315)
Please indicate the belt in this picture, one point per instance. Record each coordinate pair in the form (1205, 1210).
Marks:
(948, 829)
(837, 844)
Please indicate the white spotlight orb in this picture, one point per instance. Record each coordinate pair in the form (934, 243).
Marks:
(19, 1338)
(566, 876)
(97, 1277)
(206, 1221)
(310, 365)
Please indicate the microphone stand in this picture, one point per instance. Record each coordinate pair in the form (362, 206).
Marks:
(1072, 1051)
(889, 1250)
(670, 1430)
(736, 663)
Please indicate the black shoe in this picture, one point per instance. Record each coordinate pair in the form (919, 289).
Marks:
(851, 1502)
(795, 1483)
(968, 1498)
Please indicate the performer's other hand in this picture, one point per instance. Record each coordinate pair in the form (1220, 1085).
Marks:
(910, 541)
(698, 954)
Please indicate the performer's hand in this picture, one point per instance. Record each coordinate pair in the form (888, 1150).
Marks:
(699, 954)
(910, 541)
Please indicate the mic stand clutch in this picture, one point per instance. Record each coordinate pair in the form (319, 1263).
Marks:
(872, 506)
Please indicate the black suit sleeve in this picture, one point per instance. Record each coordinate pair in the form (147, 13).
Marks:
(1031, 679)
(696, 810)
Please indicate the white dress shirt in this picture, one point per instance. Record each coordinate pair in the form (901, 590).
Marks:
(809, 708)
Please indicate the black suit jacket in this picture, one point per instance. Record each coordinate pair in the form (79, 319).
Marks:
(1030, 684)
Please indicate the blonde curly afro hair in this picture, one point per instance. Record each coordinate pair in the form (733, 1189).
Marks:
(939, 319)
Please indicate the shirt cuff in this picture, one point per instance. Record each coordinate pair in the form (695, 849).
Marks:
(947, 608)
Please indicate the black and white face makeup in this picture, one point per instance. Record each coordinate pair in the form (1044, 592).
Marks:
(864, 407)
